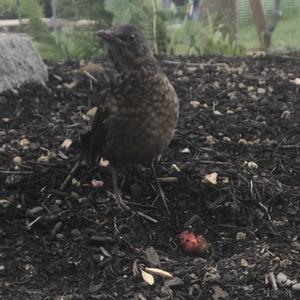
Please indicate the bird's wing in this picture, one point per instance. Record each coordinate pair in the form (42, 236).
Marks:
(93, 141)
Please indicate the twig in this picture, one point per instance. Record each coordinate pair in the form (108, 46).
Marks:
(15, 172)
(89, 75)
(146, 217)
(200, 65)
(33, 222)
(167, 179)
(70, 176)
(271, 279)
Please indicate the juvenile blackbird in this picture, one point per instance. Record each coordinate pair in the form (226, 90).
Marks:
(137, 120)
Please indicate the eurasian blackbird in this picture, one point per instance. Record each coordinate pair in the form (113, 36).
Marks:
(137, 120)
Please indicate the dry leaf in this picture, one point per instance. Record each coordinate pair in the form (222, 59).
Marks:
(66, 144)
(147, 277)
(211, 178)
(159, 272)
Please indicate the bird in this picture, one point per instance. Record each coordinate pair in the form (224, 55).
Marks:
(137, 119)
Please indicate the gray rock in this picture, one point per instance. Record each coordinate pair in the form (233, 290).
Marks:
(20, 62)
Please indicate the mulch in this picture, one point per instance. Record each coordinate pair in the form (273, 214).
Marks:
(240, 118)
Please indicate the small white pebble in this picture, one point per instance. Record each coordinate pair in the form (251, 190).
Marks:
(252, 165)
(104, 163)
(97, 183)
(240, 236)
(243, 142)
(261, 91)
(281, 278)
(217, 113)
(24, 142)
(178, 73)
(229, 112)
(296, 287)
(191, 69)
(195, 104)
(226, 139)
(185, 150)
(17, 160)
(210, 140)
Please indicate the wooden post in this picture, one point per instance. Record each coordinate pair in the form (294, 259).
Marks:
(259, 20)
(271, 24)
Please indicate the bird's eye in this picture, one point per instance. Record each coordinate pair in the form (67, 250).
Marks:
(130, 38)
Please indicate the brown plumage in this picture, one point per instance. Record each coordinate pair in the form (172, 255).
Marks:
(137, 120)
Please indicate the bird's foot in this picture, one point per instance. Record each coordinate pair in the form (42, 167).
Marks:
(159, 189)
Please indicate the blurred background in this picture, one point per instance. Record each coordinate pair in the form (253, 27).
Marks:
(65, 29)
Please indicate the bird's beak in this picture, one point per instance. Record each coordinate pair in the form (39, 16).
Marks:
(109, 37)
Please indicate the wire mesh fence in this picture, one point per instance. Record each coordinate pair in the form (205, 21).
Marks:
(179, 26)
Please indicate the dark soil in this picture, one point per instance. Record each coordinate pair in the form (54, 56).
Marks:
(76, 243)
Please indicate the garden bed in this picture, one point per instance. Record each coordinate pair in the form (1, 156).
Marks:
(240, 118)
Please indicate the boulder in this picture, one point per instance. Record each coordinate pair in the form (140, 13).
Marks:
(20, 62)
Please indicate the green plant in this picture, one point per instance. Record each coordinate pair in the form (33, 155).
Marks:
(190, 38)
(8, 9)
(62, 45)
(146, 16)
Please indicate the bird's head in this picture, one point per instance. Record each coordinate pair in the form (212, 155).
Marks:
(128, 47)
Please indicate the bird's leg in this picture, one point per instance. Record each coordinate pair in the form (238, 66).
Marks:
(158, 188)
(120, 202)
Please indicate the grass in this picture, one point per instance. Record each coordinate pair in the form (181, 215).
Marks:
(285, 36)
